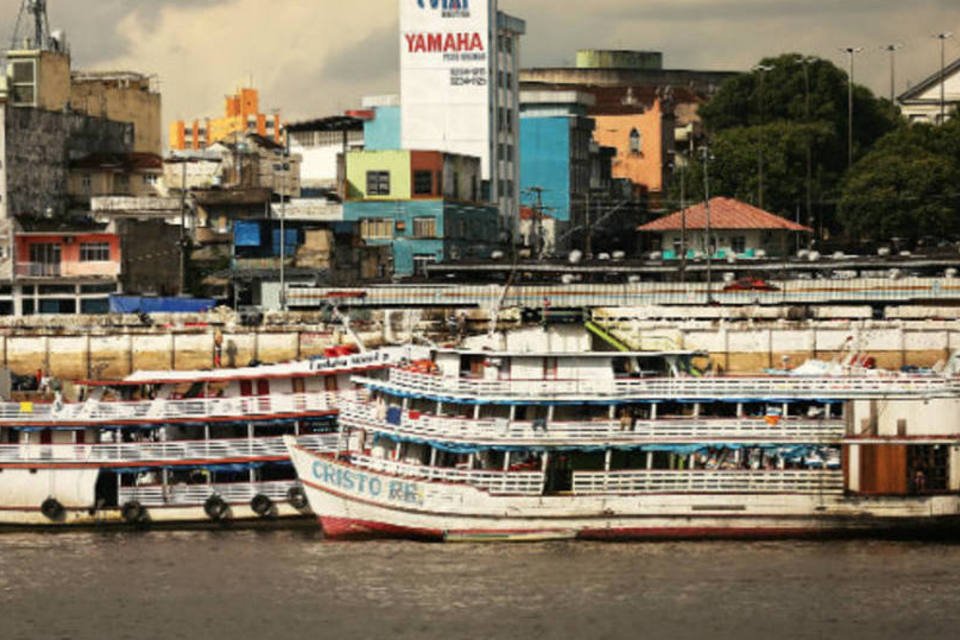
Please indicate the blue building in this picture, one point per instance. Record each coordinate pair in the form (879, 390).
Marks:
(555, 160)
(425, 205)
(382, 131)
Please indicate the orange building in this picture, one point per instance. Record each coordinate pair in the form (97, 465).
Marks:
(241, 115)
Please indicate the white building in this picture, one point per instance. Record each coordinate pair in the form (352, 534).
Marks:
(459, 69)
(922, 103)
(321, 143)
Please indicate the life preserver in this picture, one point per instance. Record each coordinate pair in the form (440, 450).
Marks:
(216, 508)
(133, 512)
(51, 509)
(262, 505)
(297, 498)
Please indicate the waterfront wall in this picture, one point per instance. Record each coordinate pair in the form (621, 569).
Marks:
(737, 347)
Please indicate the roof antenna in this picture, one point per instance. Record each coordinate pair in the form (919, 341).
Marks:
(39, 36)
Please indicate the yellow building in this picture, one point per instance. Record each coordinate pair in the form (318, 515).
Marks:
(241, 115)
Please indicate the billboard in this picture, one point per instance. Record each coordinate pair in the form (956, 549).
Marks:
(445, 63)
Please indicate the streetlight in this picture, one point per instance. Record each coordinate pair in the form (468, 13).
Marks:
(706, 158)
(851, 52)
(892, 49)
(284, 169)
(806, 61)
(943, 80)
(762, 69)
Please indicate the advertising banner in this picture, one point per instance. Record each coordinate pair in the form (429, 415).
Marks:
(445, 62)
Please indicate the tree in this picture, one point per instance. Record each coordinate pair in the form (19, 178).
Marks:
(906, 187)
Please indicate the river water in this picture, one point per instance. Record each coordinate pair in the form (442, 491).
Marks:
(292, 584)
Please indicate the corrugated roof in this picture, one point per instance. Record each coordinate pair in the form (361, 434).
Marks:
(725, 213)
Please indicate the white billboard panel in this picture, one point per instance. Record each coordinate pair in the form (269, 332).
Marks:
(445, 62)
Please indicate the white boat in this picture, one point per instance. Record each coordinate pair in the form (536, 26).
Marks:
(174, 446)
(516, 444)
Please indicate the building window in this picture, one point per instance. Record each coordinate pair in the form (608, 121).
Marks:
(636, 142)
(23, 91)
(422, 183)
(376, 228)
(425, 227)
(121, 183)
(86, 182)
(738, 244)
(94, 252)
(150, 180)
(378, 183)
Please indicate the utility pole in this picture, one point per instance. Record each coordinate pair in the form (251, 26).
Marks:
(943, 68)
(851, 52)
(892, 49)
(285, 167)
(705, 151)
(683, 220)
(805, 61)
(762, 70)
(537, 224)
(183, 226)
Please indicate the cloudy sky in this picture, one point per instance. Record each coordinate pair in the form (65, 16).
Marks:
(318, 57)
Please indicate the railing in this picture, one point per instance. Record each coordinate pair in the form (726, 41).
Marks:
(495, 482)
(93, 411)
(488, 430)
(175, 451)
(38, 269)
(197, 494)
(795, 482)
(757, 388)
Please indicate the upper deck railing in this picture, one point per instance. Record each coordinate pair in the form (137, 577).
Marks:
(776, 481)
(767, 388)
(93, 411)
(526, 483)
(524, 432)
(161, 452)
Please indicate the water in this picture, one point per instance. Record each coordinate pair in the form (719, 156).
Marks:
(292, 584)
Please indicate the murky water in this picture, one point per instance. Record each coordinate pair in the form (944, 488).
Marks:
(292, 584)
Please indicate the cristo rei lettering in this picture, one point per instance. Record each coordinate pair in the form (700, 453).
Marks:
(363, 484)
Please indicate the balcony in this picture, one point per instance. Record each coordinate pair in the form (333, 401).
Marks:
(52, 270)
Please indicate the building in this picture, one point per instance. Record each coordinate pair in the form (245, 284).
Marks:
(922, 103)
(426, 205)
(64, 267)
(381, 131)
(459, 72)
(242, 115)
(641, 109)
(114, 174)
(555, 166)
(737, 230)
(321, 143)
(121, 96)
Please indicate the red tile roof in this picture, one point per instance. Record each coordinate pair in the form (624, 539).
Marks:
(725, 213)
(136, 161)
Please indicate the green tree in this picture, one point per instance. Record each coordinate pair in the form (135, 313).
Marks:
(773, 122)
(907, 186)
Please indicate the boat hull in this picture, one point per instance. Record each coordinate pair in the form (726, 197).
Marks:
(353, 503)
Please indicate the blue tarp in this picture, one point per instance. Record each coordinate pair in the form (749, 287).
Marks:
(246, 234)
(139, 304)
(292, 242)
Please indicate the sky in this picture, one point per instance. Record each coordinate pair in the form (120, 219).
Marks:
(313, 58)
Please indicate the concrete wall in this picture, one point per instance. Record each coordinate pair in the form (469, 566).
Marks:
(38, 148)
(108, 356)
